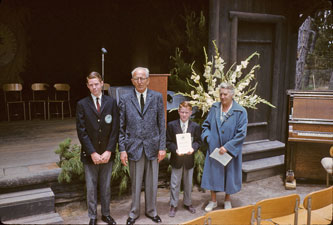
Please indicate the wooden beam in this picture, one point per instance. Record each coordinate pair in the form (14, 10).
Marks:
(274, 126)
(233, 41)
(255, 41)
(256, 17)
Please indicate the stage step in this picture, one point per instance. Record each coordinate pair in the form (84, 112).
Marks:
(262, 149)
(48, 218)
(20, 204)
(262, 168)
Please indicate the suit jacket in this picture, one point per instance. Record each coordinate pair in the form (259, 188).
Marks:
(174, 128)
(141, 132)
(97, 132)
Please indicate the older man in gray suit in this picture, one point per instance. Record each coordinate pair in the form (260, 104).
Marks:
(142, 141)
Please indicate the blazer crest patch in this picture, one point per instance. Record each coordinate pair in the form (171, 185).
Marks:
(108, 118)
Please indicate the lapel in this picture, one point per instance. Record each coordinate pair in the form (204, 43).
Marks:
(135, 101)
(149, 98)
(218, 118)
(91, 104)
(189, 127)
(218, 121)
(178, 128)
(103, 103)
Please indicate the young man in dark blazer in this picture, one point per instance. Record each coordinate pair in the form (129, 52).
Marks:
(182, 163)
(97, 124)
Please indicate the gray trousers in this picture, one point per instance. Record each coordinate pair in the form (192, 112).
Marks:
(98, 174)
(148, 169)
(176, 178)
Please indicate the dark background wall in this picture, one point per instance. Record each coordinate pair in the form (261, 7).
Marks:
(64, 38)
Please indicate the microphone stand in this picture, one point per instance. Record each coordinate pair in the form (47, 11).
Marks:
(103, 72)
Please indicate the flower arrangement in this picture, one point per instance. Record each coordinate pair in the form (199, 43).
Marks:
(214, 74)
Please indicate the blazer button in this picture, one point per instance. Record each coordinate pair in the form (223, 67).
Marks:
(222, 131)
(98, 120)
(100, 130)
(99, 142)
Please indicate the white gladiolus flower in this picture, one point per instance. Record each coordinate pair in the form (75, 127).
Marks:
(204, 97)
(244, 64)
(195, 96)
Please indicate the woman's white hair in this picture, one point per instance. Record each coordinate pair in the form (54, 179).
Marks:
(228, 86)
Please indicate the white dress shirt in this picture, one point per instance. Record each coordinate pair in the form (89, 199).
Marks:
(138, 95)
(182, 124)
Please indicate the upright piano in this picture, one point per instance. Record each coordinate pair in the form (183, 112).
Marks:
(310, 133)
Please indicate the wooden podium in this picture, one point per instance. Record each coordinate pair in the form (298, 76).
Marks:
(159, 82)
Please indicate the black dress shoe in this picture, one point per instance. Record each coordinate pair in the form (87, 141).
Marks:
(130, 221)
(109, 220)
(155, 219)
(93, 222)
(190, 208)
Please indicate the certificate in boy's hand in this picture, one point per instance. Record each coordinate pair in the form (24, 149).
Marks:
(184, 143)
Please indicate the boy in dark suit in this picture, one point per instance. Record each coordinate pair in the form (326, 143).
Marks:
(97, 124)
(182, 163)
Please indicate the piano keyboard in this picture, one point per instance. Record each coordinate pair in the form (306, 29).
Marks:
(315, 134)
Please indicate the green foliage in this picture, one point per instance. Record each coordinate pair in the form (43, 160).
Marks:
(199, 161)
(120, 174)
(70, 163)
(179, 74)
(189, 46)
(321, 57)
(319, 63)
(72, 167)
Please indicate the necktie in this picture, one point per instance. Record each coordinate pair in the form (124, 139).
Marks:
(98, 105)
(142, 102)
(183, 128)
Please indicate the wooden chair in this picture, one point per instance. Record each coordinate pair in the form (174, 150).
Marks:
(13, 95)
(60, 89)
(318, 205)
(278, 210)
(327, 163)
(39, 95)
(106, 87)
(236, 216)
(197, 221)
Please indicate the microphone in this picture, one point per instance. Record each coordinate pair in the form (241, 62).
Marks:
(104, 51)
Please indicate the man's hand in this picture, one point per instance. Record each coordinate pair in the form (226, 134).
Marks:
(96, 158)
(222, 150)
(123, 158)
(161, 155)
(190, 151)
(105, 157)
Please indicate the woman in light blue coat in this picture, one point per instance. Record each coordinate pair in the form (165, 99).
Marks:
(225, 129)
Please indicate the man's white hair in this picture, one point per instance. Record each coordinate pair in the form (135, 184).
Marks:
(141, 68)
